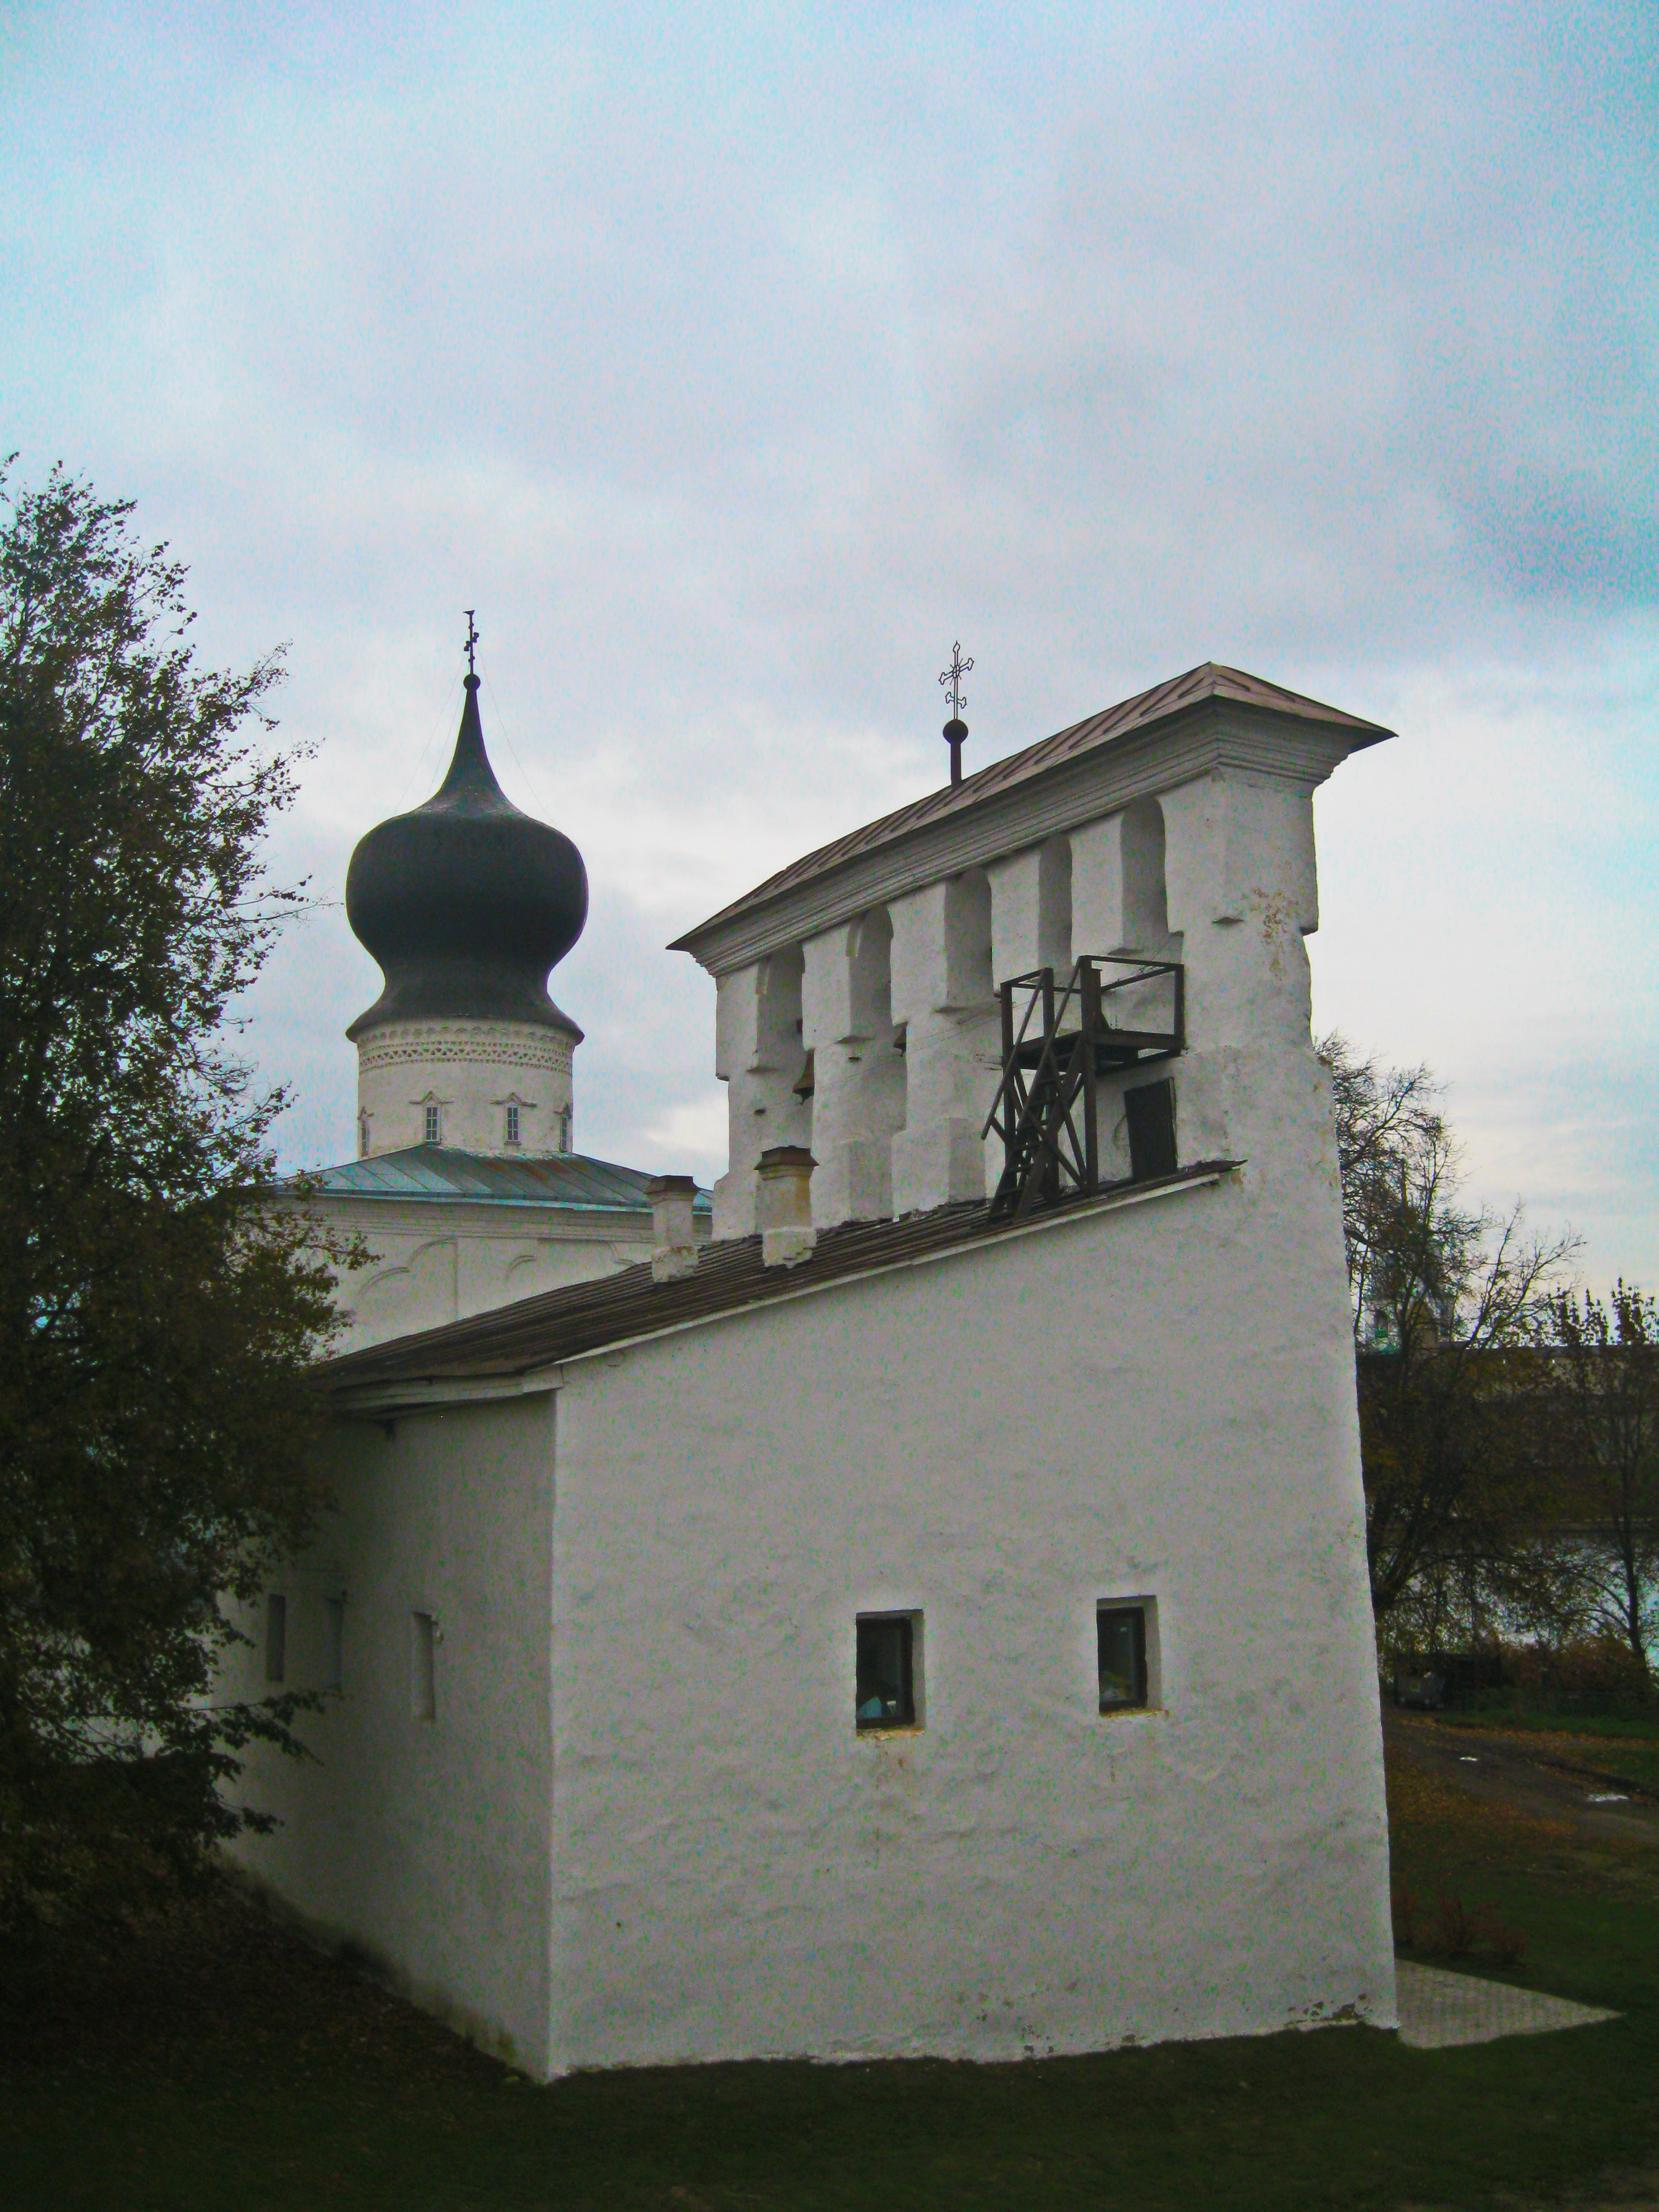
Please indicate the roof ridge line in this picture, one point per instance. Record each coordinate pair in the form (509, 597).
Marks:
(729, 1280)
(1176, 695)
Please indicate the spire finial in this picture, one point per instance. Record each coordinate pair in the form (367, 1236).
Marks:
(472, 641)
(956, 729)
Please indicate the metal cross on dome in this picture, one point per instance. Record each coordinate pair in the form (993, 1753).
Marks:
(472, 640)
(953, 676)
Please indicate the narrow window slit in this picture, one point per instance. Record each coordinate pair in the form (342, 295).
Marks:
(334, 1646)
(1120, 1635)
(424, 1678)
(887, 1687)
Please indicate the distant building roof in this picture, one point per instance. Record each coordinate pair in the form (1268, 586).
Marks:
(438, 1173)
(729, 1276)
(1182, 695)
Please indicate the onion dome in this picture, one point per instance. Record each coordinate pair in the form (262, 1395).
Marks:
(466, 902)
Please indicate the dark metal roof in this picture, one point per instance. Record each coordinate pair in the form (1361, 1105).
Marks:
(437, 1173)
(1180, 695)
(539, 1331)
(466, 902)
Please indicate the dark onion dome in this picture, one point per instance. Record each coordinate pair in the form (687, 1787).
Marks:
(466, 902)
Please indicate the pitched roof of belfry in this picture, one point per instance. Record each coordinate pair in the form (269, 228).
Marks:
(1180, 694)
(557, 1325)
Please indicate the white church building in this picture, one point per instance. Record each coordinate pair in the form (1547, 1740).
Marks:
(467, 1189)
(930, 1617)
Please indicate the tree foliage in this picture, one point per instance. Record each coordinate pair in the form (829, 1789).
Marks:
(1605, 1399)
(1448, 1302)
(156, 1321)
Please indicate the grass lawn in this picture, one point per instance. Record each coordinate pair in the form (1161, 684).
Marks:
(1633, 1726)
(224, 2066)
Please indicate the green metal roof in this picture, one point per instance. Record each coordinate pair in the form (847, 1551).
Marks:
(439, 1175)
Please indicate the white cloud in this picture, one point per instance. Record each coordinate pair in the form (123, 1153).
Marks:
(733, 365)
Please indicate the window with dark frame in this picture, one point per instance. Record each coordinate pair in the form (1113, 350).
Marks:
(423, 1667)
(512, 1125)
(334, 1645)
(1149, 1110)
(886, 1677)
(1121, 1633)
(432, 1125)
(276, 1639)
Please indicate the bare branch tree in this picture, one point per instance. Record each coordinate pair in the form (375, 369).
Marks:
(1444, 1297)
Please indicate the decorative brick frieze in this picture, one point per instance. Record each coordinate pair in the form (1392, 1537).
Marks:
(492, 1044)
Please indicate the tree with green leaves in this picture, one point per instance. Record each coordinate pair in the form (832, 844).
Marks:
(156, 1319)
(1605, 1370)
(1449, 1304)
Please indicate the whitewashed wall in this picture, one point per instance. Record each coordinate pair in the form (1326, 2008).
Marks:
(438, 1261)
(897, 1006)
(470, 1073)
(425, 1842)
(1156, 1401)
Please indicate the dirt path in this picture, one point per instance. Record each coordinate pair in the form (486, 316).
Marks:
(1554, 1778)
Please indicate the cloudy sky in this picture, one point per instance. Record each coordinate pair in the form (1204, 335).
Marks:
(733, 360)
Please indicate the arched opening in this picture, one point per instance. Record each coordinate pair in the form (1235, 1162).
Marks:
(783, 1068)
(874, 1041)
(870, 996)
(1145, 898)
(777, 1030)
(1054, 906)
(857, 1099)
(967, 939)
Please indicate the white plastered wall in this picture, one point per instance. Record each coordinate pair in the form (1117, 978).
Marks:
(760, 1055)
(942, 994)
(1152, 1401)
(1242, 895)
(857, 1068)
(1217, 873)
(1155, 1401)
(440, 1262)
(472, 1071)
(1031, 908)
(425, 1842)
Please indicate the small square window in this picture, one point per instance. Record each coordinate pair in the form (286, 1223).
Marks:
(276, 1639)
(512, 1125)
(1120, 1634)
(886, 1695)
(433, 1125)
